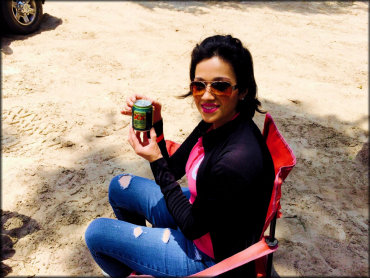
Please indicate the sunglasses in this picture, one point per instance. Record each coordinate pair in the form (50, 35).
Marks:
(219, 88)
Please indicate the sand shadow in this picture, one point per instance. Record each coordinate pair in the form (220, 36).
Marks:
(193, 7)
(302, 7)
(48, 23)
(14, 226)
(363, 155)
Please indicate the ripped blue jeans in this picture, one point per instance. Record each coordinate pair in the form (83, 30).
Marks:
(123, 245)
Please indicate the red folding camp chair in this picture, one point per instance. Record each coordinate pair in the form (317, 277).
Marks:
(284, 160)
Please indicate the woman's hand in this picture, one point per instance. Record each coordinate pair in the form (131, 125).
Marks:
(146, 148)
(127, 110)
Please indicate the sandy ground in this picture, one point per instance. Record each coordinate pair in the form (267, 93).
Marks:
(63, 137)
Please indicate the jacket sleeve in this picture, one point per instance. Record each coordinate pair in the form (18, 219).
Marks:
(227, 191)
(176, 162)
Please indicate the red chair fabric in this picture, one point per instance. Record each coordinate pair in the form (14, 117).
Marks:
(284, 161)
(171, 147)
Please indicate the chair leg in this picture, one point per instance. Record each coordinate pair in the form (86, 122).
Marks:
(271, 241)
(269, 266)
(274, 274)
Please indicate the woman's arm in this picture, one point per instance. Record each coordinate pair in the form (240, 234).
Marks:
(177, 161)
(229, 193)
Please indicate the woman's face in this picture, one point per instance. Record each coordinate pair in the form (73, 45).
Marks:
(216, 109)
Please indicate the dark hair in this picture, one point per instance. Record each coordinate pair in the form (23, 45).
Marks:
(230, 50)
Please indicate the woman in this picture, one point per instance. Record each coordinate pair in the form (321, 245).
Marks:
(230, 175)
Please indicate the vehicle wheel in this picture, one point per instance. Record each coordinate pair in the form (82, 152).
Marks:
(22, 16)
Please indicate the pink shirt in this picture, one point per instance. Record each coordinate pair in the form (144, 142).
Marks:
(196, 156)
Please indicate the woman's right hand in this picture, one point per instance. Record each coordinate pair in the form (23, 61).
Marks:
(127, 109)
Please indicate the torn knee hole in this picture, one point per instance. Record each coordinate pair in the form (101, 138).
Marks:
(166, 235)
(137, 232)
(125, 181)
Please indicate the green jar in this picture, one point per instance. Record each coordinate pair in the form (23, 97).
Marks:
(142, 115)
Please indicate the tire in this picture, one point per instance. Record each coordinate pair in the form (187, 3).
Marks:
(21, 16)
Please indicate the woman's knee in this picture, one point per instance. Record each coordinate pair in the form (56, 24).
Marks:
(106, 233)
(94, 231)
(119, 183)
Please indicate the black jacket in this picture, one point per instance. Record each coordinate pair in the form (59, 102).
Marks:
(234, 184)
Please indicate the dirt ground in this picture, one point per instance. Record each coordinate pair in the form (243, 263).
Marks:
(63, 138)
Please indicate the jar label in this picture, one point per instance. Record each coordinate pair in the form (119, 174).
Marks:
(139, 120)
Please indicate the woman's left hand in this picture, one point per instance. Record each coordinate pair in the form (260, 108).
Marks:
(146, 148)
